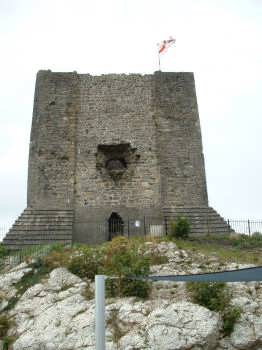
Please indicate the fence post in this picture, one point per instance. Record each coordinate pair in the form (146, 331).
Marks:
(166, 228)
(100, 324)
(128, 228)
(248, 223)
(144, 225)
(228, 226)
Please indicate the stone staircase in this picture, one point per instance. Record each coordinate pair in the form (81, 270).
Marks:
(34, 227)
(203, 220)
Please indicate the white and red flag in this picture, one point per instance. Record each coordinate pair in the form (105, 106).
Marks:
(165, 44)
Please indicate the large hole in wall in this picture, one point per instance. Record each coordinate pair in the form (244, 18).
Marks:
(115, 160)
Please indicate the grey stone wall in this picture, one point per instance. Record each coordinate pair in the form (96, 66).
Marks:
(51, 169)
(117, 110)
(179, 142)
(129, 144)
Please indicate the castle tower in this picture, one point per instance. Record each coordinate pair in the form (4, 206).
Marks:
(113, 154)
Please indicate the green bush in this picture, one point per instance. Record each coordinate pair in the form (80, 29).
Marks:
(123, 261)
(86, 264)
(216, 297)
(212, 295)
(58, 247)
(4, 325)
(56, 258)
(3, 251)
(230, 316)
(180, 228)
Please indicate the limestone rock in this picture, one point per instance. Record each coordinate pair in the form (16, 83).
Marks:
(248, 332)
(182, 326)
(55, 314)
(13, 276)
(8, 281)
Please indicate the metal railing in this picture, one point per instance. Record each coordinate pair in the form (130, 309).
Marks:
(3, 231)
(248, 227)
(153, 226)
(106, 230)
(31, 253)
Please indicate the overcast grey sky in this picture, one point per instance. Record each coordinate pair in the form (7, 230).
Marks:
(220, 41)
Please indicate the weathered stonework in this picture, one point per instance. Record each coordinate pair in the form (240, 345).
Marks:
(126, 144)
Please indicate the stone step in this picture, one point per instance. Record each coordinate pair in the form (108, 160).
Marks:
(207, 213)
(49, 211)
(39, 227)
(200, 220)
(33, 218)
(201, 226)
(21, 245)
(34, 227)
(42, 239)
(18, 234)
(203, 220)
(43, 218)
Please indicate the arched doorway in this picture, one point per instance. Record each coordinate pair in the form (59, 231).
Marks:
(115, 226)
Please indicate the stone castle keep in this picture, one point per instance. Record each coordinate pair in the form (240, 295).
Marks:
(113, 147)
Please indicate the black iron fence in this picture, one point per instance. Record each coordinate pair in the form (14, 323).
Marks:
(151, 226)
(3, 231)
(18, 256)
(157, 227)
(248, 227)
(106, 230)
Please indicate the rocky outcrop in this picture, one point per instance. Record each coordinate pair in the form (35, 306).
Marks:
(8, 281)
(57, 313)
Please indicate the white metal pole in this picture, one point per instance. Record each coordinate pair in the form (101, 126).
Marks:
(100, 312)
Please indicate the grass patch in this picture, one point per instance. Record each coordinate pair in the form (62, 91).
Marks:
(223, 249)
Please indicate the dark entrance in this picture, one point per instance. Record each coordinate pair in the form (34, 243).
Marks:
(115, 226)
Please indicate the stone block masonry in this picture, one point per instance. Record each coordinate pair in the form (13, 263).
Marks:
(116, 145)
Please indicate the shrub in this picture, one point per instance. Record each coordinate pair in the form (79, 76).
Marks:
(58, 247)
(230, 316)
(3, 251)
(86, 264)
(4, 325)
(212, 295)
(56, 258)
(181, 228)
(124, 261)
(216, 297)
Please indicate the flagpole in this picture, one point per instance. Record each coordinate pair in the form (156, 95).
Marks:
(159, 62)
